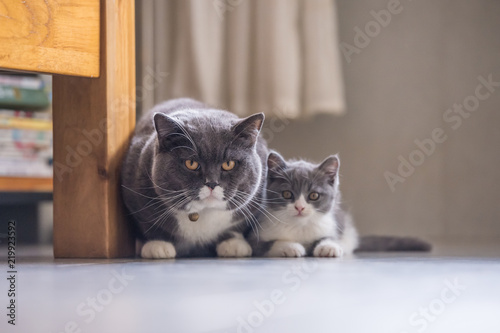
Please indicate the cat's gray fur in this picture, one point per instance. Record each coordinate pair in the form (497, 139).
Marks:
(159, 191)
(322, 228)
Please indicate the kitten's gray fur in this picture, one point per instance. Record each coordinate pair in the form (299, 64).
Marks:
(326, 230)
(160, 192)
(300, 225)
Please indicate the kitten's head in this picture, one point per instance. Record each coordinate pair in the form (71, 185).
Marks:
(298, 189)
(207, 160)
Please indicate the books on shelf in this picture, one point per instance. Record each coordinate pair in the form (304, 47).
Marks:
(25, 134)
(21, 98)
(25, 123)
(22, 81)
(26, 150)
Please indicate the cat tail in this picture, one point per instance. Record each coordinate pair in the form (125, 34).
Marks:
(390, 243)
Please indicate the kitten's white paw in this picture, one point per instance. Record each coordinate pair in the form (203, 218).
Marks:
(286, 249)
(158, 250)
(328, 248)
(234, 247)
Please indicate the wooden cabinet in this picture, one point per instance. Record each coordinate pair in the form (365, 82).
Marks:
(89, 46)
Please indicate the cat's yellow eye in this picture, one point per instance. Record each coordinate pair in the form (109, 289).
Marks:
(229, 165)
(287, 194)
(191, 165)
(313, 196)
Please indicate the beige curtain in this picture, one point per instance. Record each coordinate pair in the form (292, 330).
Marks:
(274, 56)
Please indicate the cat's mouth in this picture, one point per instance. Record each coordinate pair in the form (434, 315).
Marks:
(300, 215)
(211, 198)
(209, 194)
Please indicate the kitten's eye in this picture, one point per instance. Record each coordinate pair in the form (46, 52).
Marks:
(313, 196)
(229, 165)
(287, 194)
(192, 165)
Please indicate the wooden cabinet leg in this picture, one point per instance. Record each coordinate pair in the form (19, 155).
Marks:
(93, 121)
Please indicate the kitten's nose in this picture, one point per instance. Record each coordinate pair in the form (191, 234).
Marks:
(211, 184)
(299, 208)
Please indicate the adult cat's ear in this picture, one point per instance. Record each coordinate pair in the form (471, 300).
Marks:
(170, 132)
(330, 166)
(247, 130)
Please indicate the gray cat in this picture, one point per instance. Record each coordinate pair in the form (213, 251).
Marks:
(194, 180)
(304, 216)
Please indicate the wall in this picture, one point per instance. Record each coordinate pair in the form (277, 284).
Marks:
(398, 88)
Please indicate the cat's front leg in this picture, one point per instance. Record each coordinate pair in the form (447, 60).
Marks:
(286, 249)
(235, 246)
(157, 249)
(327, 247)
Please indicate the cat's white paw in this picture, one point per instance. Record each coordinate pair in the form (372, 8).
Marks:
(158, 250)
(234, 247)
(286, 249)
(328, 248)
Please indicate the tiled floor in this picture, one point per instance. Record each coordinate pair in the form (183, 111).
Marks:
(366, 293)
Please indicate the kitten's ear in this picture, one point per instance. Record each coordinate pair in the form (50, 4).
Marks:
(330, 166)
(247, 130)
(170, 132)
(275, 163)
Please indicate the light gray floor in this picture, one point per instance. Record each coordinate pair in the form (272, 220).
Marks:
(366, 293)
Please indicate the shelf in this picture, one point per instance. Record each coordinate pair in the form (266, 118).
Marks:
(25, 184)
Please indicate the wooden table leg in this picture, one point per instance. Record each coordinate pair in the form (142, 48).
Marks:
(93, 121)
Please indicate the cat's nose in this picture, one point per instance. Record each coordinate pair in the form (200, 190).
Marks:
(299, 208)
(211, 184)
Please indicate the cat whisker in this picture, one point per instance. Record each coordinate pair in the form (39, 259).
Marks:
(166, 214)
(272, 191)
(184, 133)
(248, 215)
(241, 206)
(255, 205)
(258, 206)
(153, 202)
(183, 147)
(158, 186)
(142, 195)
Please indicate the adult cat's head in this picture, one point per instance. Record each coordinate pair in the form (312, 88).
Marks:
(207, 159)
(298, 189)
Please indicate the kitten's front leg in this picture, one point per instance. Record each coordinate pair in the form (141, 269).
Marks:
(327, 247)
(158, 250)
(235, 246)
(286, 249)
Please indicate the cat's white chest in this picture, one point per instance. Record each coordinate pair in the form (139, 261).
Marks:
(210, 224)
(317, 226)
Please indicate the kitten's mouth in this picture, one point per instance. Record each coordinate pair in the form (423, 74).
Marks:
(300, 215)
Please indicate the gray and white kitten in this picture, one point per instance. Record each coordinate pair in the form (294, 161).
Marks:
(304, 215)
(192, 179)
(303, 211)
